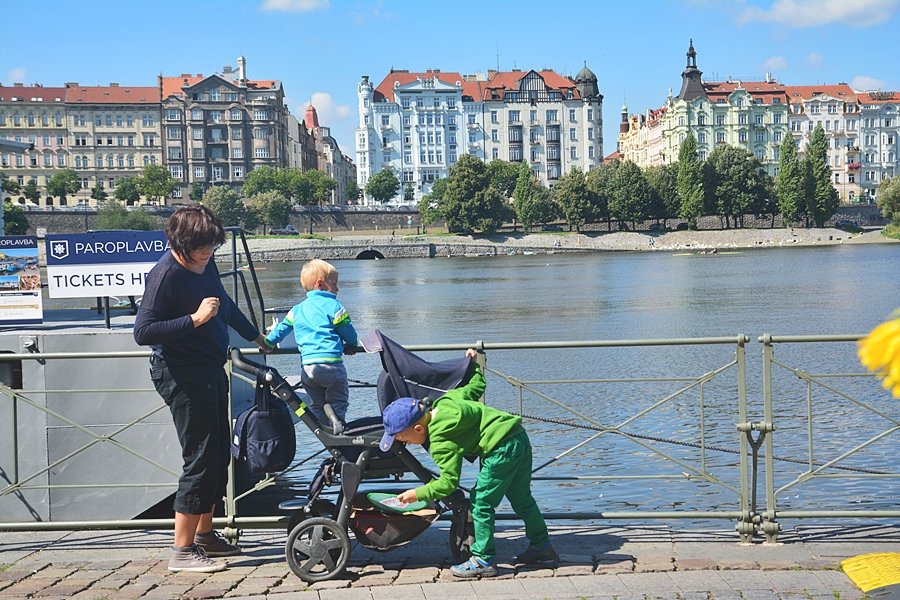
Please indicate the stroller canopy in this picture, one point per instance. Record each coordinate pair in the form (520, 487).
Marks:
(406, 375)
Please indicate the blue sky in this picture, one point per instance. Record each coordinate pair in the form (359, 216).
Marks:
(320, 48)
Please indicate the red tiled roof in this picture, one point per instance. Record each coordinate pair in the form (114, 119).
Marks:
(509, 80)
(26, 93)
(616, 155)
(878, 97)
(108, 94)
(172, 86)
(763, 90)
(385, 89)
(807, 92)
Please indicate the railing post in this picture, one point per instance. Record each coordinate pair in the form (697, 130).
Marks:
(745, 527)
(230, 531)
(770, 525)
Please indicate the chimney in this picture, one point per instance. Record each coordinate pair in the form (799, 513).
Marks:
(491, 73)
(242, 69)
(226, 70)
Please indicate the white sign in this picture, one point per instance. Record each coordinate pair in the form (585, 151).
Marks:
(20, 281)
(110, 263)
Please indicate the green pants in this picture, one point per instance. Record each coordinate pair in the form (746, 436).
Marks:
(506, 472)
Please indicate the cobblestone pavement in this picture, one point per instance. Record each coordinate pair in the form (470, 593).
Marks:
(623, 562)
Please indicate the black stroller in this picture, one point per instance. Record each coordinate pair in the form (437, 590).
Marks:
(318, 545)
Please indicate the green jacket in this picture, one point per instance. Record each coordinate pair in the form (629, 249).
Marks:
(462, 426)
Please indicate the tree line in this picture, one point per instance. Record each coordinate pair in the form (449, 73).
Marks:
(730, 183)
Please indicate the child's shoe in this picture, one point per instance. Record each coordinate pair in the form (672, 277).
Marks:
(193, 560)
(474, 567)
(532, 555)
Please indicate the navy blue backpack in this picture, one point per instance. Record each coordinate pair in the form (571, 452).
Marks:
(264, 435)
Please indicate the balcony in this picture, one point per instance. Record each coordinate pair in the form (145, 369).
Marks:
(854, 166)
(852, 149)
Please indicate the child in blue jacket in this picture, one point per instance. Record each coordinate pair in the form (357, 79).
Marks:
(324, 333)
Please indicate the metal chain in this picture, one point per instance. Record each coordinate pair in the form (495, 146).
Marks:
(693, 444)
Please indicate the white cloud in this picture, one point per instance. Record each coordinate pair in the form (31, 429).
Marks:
(814, 59)
(864, 82)
(328, 110)
(16, 75)
(775, 63)
(814, 13)
(295, 5)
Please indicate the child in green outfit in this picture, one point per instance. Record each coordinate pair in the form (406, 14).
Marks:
(458, 425)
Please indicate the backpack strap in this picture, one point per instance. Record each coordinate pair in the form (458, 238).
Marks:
(263, 392)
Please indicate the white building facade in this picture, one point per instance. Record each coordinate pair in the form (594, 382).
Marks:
(419, 124)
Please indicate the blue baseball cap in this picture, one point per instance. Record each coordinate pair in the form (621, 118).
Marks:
(399, 415)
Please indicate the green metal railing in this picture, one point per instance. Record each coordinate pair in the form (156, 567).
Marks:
(584, 417)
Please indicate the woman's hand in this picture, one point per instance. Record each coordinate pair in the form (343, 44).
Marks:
(208, 309)
(471, 353)
(263, 346)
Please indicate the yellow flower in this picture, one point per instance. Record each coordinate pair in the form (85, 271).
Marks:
(879, 352)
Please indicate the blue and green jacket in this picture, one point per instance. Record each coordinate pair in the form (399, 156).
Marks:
(321, 326)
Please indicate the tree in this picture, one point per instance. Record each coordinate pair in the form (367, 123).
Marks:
(663, 180)
(525, 196)
(383, 186)
(409, 193)
(789, 183)
(738, 182)
(311, 187)
(127, 191)
(631, 194)
(600, 183)
(574, 198)
(65, 183)
(115, 216)
(9, 185)
(196, 193)
(270, 208)
(459, 206)
(98, 193)
(264, 179)
(888, 199)
(690, 182)
(504, 176)
(351, 191)
(429, 206)
(31, 191)
(822, 198)
(225, 203)
(156, 183)
(14, 220)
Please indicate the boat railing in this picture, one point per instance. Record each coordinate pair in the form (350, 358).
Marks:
(692, 422)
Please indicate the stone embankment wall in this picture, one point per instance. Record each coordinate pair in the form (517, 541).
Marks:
(403, 222)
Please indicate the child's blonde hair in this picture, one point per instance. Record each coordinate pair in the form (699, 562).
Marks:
(315, 270)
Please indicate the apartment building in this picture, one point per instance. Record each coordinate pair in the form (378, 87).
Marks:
(879, 139)
(114, 131)
(36, 115)
(861, 127)
(218, 128)
(330, 159)
(419, 124)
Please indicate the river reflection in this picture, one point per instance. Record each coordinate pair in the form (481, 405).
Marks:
(629, 296)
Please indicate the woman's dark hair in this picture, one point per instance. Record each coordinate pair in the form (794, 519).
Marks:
(191, 228)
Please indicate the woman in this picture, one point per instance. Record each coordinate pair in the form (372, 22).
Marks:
(184, 316)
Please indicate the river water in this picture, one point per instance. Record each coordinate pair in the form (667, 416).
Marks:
(638, 296)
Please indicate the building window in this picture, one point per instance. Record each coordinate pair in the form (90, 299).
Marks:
(174, 133)
(681, 121)
(590, 133)
(176, 171)
(701, 138)
(495, 153)
(742, 137)
(572, 134)
(261, 152)
(404, 102)
(514, 116)
(571, 114)
(759, 119)
(720, 137)
(720, 120)
(237, 152)
(147, 120)
(552, 116)
(260, 114)
(174, 114)
(573, 153)
(590, 152)
(590, 116)
(776, 118)
(238, 172)
(199, 172)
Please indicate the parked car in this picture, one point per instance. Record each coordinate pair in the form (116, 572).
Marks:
(551, 228)
(286, 230)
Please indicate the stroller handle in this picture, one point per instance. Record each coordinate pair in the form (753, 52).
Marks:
(244, 364)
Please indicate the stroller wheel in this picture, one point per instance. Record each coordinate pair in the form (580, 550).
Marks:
(462, 532)
(317, 549)
(319, 508)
